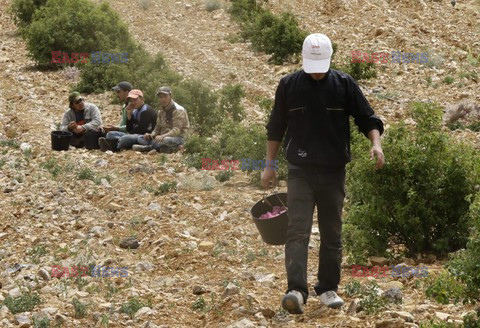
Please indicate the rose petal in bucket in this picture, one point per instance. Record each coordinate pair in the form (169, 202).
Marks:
(276, 211)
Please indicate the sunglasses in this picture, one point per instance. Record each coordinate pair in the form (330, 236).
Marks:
(78, 101)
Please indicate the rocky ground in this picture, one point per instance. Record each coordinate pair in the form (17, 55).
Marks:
(199, 242)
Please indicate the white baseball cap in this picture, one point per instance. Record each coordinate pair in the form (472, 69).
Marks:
(316, 53)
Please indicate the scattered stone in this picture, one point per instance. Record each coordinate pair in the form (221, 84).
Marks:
(144, 312)
(442, 316)
(198, 290)
(390, 323)
(101, 163)
(352, 308)
(97, 231)
(145, 266)
(129, 243)
(110, 224)
(154, 207)
(230, 290)
(22, 321)
(378, 260)
(267, 312)
(15, 292)
(206, 246)
(406, 316)
(44, 274)
(60, 318)
(393, 294)
(244, 323)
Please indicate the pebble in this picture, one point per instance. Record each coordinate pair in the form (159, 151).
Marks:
(129, 243)
(44, 274)
(22, 321)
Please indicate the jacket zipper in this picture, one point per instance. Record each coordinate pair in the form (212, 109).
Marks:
(286, 149)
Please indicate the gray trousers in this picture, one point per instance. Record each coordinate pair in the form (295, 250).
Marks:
(307, 188)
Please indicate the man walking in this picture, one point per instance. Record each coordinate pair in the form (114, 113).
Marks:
(313, 106)
(171, 128)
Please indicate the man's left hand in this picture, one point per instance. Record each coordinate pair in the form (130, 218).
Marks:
(376, 151)
(159, 138)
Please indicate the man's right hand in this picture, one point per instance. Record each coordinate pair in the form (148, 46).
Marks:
(147, 136)
(72, 125)
(269, 178)
(109, 127)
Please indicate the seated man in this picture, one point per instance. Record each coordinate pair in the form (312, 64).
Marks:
(172, 126)
(115, 132)
(83, 120)
(141, 119)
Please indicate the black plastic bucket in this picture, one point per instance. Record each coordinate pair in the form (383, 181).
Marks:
(61, 140)
(91, 139)
(274, 230)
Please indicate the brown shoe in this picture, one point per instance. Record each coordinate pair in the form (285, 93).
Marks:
(104, 145)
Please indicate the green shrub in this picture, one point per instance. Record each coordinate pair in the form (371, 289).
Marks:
(465, 265)
(23, 303)
(418, 199)
(201, 103)
(230, 102)
(448, 80)
(22, 11)
(279, 36)
(132, 306)
(360, 71)
(80, 309)
(244, 10)
(223, 176)
(41, 323)
(75, 26)
(444, 288)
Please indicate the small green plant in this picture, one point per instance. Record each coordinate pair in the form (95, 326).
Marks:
(361, 71)
(162, 159)
(444, 288)
(9, 143)
(80, 309)
(223, 176)
(105, 320)
(353, 287)
(448, 80)
(41, 323)
(36, 253)
(23, 303)
(199, 304)
(131, 307)
(51, 166)
(86, 174)
(212, 5)
(371, 301)
(165, 187)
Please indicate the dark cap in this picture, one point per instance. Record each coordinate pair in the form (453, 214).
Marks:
(165, 90)
(124, 86)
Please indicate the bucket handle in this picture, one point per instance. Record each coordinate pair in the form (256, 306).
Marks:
(276, 194)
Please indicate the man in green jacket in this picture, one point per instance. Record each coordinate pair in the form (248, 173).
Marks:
(115, 132)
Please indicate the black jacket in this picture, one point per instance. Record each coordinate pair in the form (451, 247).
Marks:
(145, 124)
(315, 116)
